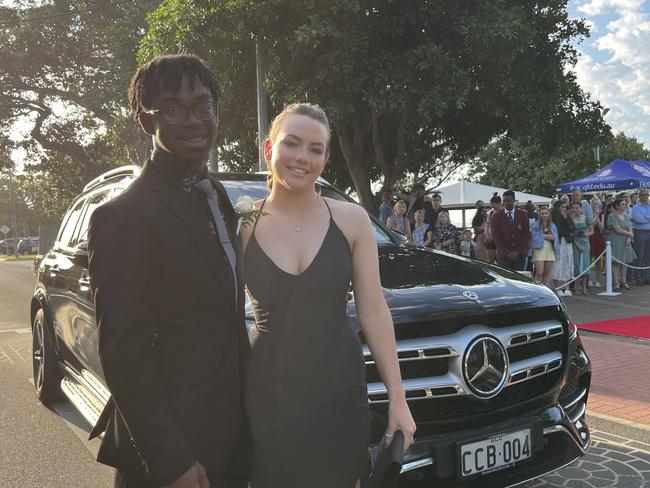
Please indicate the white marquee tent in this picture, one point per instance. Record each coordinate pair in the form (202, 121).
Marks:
(463, 195)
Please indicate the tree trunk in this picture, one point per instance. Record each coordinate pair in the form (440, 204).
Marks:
(352, 149)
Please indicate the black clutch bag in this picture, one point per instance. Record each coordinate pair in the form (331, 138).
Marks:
(387, 459)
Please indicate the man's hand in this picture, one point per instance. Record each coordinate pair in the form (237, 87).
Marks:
(195, 477)
(513, 255)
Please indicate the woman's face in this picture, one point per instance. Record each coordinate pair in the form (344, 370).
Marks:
(299, 152)
(544, 215)
(400, 210)
(563, 211)
(576, 209)
(622, 207)
(444, 219)
(419, 216)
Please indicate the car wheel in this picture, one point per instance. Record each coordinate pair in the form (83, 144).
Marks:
(47, 376)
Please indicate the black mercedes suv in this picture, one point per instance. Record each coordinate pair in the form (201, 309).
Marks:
(494, 370)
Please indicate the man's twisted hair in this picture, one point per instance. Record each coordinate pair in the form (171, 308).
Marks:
(166, 73)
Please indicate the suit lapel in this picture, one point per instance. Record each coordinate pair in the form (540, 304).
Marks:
(230, 217)
(184, 208)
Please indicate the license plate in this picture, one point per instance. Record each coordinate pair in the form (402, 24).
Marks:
(498, 452)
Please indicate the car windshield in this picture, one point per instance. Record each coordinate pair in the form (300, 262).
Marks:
(257, 190)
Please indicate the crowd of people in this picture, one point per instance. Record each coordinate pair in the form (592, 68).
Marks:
(558, 243)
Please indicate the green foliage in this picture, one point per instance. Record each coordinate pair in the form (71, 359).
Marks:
(66, 69)
(511, 164)
(411, 87)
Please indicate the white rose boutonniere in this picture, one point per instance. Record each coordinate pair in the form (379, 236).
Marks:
(246, 211)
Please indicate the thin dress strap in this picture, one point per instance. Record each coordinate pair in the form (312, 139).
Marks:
(328, 207)
(258, 217)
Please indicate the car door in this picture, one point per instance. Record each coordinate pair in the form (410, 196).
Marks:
(81, 304)
(56, 269)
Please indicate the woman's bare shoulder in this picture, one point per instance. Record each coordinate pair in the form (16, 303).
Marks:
(347, 211)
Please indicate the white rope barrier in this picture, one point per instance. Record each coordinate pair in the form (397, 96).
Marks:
(584, 272)
(629, 265)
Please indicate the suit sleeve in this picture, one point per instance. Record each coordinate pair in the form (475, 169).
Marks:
(122, 281)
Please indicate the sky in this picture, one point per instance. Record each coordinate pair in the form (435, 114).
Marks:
(614, 65)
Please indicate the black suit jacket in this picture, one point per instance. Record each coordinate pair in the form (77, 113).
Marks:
(172, 343)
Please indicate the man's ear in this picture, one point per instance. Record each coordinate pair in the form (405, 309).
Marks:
(146, 122)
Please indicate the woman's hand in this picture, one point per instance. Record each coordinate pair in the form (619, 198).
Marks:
(400, 418)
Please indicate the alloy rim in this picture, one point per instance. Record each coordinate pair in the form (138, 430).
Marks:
(39, 352)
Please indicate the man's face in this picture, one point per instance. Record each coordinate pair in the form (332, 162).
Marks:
(192, 139)
(419, 191)
(436, 201)
(508, 202)
(576, 196)
(643, 196)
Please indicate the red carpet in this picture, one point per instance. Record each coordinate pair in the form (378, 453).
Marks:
(633, 327)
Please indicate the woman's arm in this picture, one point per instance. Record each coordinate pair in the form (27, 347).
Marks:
(429, 238)
(389, 223)
(374, 316)
(619, 230)
(409, 234)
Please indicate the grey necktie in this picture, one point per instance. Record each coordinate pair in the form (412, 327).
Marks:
(205, 185)
(510, 216)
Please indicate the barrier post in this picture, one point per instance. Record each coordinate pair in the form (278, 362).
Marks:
(608, 272)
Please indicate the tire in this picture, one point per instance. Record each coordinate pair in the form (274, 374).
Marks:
(47, 376)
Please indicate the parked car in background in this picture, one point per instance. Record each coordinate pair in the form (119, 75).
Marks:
(494, 370)
(8, 246)
(28, 246)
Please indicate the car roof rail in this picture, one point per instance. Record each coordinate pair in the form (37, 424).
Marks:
(125, 171)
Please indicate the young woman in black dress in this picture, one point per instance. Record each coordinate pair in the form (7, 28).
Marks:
(307, 396)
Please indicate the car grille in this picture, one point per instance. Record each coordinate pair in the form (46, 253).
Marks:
(451, 325)
(431, 365)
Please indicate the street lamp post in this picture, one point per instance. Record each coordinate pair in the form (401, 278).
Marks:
(13, 212)
(597, 150)
(262, 106)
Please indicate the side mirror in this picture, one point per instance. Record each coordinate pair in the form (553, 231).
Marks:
(80, 254)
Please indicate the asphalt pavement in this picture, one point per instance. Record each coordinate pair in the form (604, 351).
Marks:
(40, 447)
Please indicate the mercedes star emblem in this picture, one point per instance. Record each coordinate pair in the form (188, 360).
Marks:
(485, 366)
(470, 295)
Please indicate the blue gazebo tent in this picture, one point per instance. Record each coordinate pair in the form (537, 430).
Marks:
(618, 175)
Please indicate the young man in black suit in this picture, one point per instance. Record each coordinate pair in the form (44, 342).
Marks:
(169, 298)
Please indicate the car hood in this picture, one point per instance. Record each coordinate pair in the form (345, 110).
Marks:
(421, 284)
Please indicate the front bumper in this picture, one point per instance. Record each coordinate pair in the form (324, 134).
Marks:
(560, 434)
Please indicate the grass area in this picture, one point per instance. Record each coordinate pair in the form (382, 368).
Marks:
(25, 257)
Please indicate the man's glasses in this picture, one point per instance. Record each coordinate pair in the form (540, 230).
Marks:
(644, 194)
(178, 115)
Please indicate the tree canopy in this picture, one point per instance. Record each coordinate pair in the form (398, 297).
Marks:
(411, 87)
(510, 164)
(66, 66)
